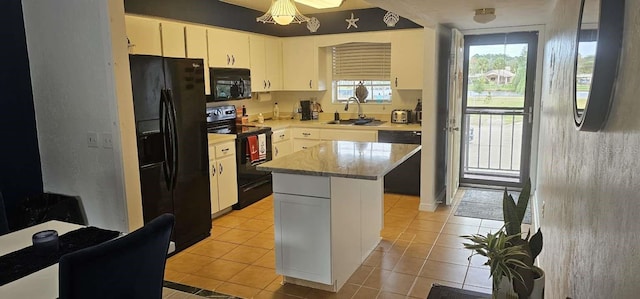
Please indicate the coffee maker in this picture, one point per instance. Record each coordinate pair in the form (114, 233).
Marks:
(305, 107)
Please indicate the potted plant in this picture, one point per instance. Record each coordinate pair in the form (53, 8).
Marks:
(524, 280)
(504, 259)
(532, 283)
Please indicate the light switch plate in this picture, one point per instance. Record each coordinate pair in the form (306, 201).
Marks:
(92, 139)
(107, 140)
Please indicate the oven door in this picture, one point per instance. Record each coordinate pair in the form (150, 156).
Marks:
(247, 172)
(253, 184)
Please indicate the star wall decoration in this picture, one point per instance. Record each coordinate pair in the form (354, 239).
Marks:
(352, 22)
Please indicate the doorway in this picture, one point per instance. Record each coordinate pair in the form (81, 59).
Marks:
(497, 108)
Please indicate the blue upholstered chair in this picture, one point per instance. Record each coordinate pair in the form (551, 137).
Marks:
(128, 267)
(4, 226)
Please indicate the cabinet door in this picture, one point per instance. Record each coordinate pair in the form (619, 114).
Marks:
(196, 45)
(300, 64)
(227, 182)
(213, 186)
(143, 35)
(172, 40)
(282, 148)
(407, 57)
(228, 48)
(258, 64)
(273, 58)
(303, 237)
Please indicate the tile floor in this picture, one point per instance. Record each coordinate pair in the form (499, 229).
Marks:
(417, 249)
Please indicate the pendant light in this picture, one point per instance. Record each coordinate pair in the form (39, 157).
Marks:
(282, 12)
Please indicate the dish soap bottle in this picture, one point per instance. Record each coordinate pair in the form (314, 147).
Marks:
(276, 111)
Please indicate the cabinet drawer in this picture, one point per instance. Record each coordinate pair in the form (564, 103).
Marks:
(306, 133)
(225, 149)
(300, 144)
(280, 135)
(348, 135)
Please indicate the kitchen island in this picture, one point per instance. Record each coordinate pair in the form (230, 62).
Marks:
(328, 203)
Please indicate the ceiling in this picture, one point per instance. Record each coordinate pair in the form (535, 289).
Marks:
(263, 5)
(457, 13)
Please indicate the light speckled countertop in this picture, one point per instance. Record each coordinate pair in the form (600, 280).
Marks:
(217, 138)
(358, 160)
(322, 124)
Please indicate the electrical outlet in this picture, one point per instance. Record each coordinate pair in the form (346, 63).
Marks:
(92, 139)
(107, 140)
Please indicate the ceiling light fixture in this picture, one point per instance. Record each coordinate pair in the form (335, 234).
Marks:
(485, 15)
(321, 4)
(282, 12)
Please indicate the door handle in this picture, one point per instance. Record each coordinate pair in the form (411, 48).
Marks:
(228, 59)
(233, 60)
(265, 84)
(310, 81)
(269, 83)
(396, 81)
(213, 170)
(220, 168)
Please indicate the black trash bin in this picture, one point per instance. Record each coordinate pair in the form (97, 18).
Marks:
(49, 206)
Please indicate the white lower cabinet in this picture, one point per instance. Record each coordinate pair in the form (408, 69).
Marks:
(282, 144)
(325, 227)
(222, 176)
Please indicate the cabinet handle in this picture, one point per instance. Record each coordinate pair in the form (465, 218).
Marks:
(304, 147)
(396, 81)
(233, 60)
(306, 134)
(220, 168)
(417, 133)
(225, 150)
(269, 83)
(282, 136)
(228, 59)
(213, 170)
(265, 84)
(310, 81)
(276, 150)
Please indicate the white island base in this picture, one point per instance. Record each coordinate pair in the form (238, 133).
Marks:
(325, 227)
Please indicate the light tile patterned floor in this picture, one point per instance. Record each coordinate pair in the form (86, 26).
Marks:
(417, 250)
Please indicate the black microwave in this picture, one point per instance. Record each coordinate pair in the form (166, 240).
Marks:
(229, 84)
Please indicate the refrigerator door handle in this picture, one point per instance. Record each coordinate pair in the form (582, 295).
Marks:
(165, 139)
(174, 140)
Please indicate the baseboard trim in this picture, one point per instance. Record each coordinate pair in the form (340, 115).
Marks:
(428, 207)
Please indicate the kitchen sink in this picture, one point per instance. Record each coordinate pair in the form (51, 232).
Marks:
(357, 122)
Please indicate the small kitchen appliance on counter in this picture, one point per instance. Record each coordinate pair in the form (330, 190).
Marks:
(305, 107)
(401, 116)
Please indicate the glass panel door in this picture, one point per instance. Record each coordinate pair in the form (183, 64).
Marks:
(498, 108)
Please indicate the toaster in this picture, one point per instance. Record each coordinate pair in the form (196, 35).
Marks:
(401, 116)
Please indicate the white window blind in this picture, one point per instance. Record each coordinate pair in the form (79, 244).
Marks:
(362, 61)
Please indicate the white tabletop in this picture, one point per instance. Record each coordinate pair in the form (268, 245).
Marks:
(41, 284)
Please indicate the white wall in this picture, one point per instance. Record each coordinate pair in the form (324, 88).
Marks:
(75, 91)
(590, 181)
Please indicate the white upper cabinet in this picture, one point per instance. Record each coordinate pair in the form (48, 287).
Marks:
(228, 48)
(302, 64)
(196, 45)
(266, 63)
(144, 35)
(172, 39)
(407, 58)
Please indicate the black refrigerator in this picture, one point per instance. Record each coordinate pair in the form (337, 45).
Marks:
(170, 106)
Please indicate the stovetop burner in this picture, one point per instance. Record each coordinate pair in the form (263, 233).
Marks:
(222, 120)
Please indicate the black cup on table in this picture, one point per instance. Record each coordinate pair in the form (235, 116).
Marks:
(46, 241)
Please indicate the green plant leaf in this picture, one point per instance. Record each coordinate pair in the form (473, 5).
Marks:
(523, 200)
(535, 244)
(510, 213)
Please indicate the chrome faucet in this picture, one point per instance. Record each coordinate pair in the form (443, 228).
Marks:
(346, 107)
